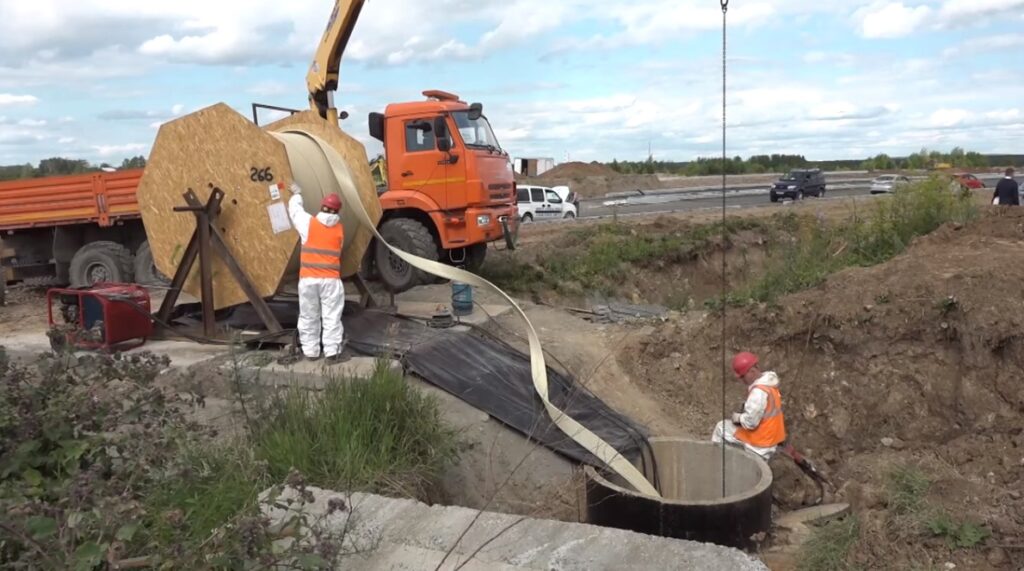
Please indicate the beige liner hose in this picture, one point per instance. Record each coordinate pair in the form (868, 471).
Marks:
(316, 163)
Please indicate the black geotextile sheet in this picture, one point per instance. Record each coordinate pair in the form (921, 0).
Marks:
(484, 372)
(494, 378)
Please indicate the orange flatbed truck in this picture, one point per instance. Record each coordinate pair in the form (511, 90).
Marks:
(77, 229)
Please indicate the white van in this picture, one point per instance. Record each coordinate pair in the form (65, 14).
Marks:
(542, 203)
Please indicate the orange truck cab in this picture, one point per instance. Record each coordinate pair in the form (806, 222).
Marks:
(449, 188)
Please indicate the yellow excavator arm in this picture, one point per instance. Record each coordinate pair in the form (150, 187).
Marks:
(322, 79)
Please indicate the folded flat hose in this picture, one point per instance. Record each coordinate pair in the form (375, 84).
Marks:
(315, 164)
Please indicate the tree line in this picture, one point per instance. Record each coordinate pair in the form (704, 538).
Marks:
(57, 166)
(757, 164)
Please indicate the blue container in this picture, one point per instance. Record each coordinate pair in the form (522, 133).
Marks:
(462, 298)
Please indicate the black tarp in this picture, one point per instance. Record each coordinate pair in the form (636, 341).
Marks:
(494, 378)
(480, 370)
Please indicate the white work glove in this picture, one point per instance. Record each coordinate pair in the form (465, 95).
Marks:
(737, 418)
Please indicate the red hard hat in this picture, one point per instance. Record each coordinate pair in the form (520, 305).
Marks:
(743, 362)
(331, 201)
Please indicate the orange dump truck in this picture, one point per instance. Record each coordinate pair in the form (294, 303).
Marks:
(77, 229)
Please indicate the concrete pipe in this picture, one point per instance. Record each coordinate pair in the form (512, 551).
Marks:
(692, 506)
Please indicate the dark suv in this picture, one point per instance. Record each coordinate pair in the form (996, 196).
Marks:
(798, 184)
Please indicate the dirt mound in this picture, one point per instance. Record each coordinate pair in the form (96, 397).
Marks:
(920, 359)
(577, 169)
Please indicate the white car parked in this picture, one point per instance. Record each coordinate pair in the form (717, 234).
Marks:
(888, 183)
(542, 203)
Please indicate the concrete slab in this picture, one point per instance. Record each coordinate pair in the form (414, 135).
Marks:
(397, 534)
(426, 309)
(314, 374)
(182, 353)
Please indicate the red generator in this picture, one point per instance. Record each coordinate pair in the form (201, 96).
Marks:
(105, 316)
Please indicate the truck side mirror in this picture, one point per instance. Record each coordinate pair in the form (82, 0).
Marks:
(377, 126)
(476, 110)
(444, 143)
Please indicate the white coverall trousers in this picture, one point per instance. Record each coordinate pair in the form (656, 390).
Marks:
(728, 430)
(321, 300)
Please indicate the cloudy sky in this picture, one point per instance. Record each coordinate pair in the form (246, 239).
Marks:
(577, 79)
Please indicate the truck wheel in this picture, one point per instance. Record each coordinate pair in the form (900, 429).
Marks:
(101, 262)
(145, 270)
(527, 218)
(475, 256)
(409, 236)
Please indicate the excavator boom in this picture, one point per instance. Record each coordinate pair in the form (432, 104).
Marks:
(322, 79)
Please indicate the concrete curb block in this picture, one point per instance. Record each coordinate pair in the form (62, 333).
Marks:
(399, 534)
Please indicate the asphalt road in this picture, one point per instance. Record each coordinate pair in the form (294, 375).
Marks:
(666, 202)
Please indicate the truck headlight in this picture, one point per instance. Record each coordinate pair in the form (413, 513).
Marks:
(483, 220)
(791, 187)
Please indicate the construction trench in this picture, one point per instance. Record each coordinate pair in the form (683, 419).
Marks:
(665, 362)
(660, 486)
(901, 372)
(243, 258)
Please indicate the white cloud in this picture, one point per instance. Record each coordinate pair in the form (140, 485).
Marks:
(830, 58)
(1005, 115)
(274, 88)
(32, 122)
(66, 140)
(986, 44)
(945, 118)
(891, 19)
(111, 150)
(116, 54)
(954, 11)
(11, 99)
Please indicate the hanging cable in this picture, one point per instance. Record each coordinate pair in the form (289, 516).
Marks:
(725, 11)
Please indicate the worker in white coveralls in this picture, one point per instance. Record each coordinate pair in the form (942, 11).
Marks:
(760, 428)
(321, 293)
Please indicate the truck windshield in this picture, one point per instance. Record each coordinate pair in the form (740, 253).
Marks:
(476, 133)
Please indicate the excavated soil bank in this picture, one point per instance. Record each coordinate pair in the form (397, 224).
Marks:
(916, 361)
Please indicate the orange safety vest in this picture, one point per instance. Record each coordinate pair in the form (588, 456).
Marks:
(321, 254)
(772, 429)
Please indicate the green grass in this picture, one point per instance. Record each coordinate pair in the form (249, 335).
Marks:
(906, 488)
(597, 258)
(212, 486)
(959, 534)
(375, 434)
(822, 249)
(830, 545)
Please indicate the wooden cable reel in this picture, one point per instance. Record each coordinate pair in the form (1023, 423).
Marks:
(217, 147)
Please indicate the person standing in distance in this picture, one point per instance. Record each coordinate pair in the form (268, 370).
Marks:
(1007, 191)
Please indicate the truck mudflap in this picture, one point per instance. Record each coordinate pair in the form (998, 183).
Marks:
(511, 237)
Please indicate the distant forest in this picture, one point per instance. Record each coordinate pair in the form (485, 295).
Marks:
(61, 166)
(925, 159)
